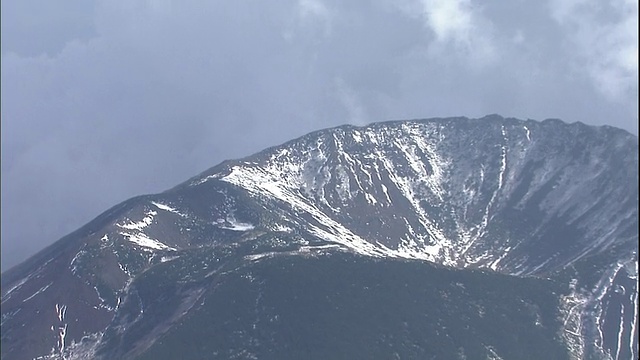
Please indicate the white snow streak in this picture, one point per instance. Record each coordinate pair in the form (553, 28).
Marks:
(492, 354)
(308, 248)
(7, 295)
(62, 333)
(145, 241)
(386, 192)
(503, 158)
(72, 264)
(42, 289)
(204, 179)
(61, 311)
(168, 258)
(255, 257)
(146, 221)
(599, 293)
(634, 323)
(301, 251)
(620, 331)
(167, 208)
(233, 224)
(495, 263)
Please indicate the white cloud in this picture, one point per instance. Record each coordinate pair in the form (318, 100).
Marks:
(461, 25)
(313, 8)
(310, 11)
(603, 38)
(450, 20)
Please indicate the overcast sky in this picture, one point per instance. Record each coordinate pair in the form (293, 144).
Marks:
(104, 100)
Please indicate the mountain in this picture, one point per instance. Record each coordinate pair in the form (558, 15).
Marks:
(455, 238)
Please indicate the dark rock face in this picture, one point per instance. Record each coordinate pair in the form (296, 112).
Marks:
(445, 238)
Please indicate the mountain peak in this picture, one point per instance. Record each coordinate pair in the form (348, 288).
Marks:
(506, 198)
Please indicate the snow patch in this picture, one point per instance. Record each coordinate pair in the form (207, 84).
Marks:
(204, 179)
(492, 354)
(167, 208)
(356, 136)
(146, 221)
(233, 224)
(145, 241)
(255, 257)
(280, 228)
(168, 258)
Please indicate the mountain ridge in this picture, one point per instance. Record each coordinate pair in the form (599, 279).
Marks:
(493, 194)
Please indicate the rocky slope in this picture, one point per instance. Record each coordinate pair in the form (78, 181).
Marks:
(452, 215)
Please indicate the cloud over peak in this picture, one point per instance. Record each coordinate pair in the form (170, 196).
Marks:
(602, 37)
(457, 25)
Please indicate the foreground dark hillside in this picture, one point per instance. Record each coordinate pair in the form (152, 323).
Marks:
(342, 306)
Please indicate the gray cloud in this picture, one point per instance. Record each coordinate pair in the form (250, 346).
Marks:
(105, 100)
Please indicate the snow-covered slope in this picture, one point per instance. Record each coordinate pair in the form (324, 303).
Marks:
(490, 193)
